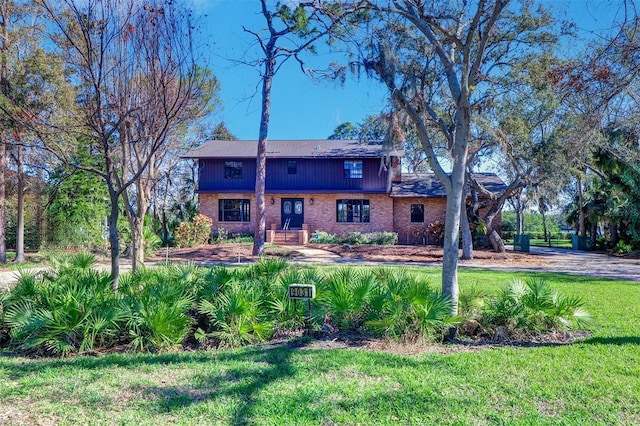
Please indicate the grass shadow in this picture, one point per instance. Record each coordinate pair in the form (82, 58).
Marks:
(616, 341)
(241, 383)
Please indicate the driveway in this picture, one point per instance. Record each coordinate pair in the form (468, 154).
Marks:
(569, 262)
(540, 259)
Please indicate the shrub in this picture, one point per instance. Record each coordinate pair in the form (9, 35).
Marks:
(242, 238)
(356, 238)
(323, 237)
(383, 238)
(623, 248)
(194, 233)
(471, 302)
(236, 316)
(435, 231)
(344, 295)
(269, 268)
(403, 307)
(222, 234)
(152, 241)
(158, 303)
(533, 305)
(72, 310)
(380, 238)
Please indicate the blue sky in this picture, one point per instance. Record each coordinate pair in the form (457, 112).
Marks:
(301, 107)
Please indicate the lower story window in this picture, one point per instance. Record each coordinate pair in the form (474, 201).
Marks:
(234, 210)
(352, 210)
(417, 213)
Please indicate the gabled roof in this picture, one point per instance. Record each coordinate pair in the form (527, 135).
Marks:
(318, 148)
(427, 185)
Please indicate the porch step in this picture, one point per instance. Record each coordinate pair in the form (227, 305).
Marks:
(289, 238)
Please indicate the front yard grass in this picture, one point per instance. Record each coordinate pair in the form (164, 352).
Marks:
(540, 242)
(596, 381)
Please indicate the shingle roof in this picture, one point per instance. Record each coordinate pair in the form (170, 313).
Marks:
(427, 185)
(320, 148)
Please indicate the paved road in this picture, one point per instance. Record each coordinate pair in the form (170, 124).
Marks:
(550, 260)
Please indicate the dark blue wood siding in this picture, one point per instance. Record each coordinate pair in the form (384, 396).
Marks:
(311, 176)
(211, 176)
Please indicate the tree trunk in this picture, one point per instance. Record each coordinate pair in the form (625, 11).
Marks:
(261, 158)
(3, 204)
(165, 228)
(137, 242)
(20, 213)
(594, 235)
(547, 238)
(465, 230)
(615, 234)
(496, 240)
(519, 214)
(4, 87)
(455, 197)
(582, 226)
(450, 248)
(114, 241)
(136, 220)
(519, 222)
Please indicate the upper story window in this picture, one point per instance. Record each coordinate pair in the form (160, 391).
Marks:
(353, 211)
(417, 213)
(233, 169)
(292, 167)
(353, 169)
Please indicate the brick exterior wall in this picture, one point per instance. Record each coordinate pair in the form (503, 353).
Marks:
(387, 214)
(319, 215)
(209, 207)
(415, 233)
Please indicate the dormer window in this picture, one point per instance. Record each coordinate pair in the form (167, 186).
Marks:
(353, 169)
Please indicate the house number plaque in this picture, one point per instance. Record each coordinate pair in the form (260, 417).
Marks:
(302, 291)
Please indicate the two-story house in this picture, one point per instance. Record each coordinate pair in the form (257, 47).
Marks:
(337, 186)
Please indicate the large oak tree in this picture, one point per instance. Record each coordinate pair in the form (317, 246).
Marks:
(437, 58)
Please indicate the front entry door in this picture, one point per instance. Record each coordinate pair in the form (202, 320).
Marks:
(293, 212)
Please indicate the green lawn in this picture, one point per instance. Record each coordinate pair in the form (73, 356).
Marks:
(593, 382)
(539, 242)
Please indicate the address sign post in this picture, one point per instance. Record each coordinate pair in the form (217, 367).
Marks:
(302, 292)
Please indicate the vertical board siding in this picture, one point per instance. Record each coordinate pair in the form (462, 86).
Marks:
(211, 175)
(312, 175)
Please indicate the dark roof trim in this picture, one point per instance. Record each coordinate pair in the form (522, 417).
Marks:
(317, 148)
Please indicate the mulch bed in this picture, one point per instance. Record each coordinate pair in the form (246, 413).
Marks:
(241, 253)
